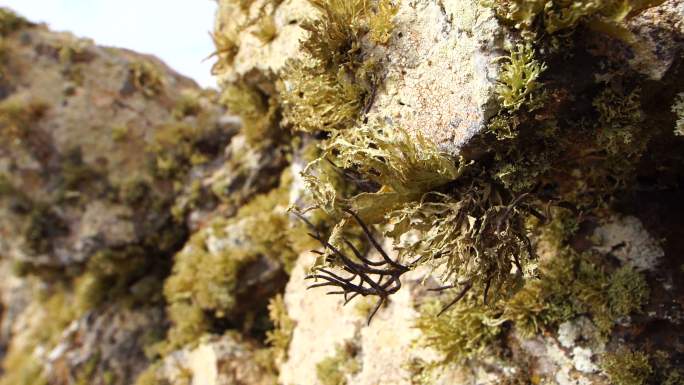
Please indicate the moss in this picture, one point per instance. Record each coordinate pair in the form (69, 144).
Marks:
(336, 369)
(519, 78)
(619, 121)
(569, 286)
(279, 338)
(678, 110)
(206, 279)
(380, 22)
(626, 367)
(10, 21)
(256, 109)
(628, 291)
(459, 334)
(328, 89)
(17, 116)
(146, 78)
(188, 105)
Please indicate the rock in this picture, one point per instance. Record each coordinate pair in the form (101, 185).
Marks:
(627, 239)
(225, 360)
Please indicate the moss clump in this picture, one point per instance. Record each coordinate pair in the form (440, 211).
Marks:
(678, 109)
(328, 89)
(453, 235)
(570, 285)
(146, 78)
(17, 117)
(257, 110)
(461, 333)
(518, 81)
(188, 105)
(626, 367)
(627, 292)
(279, 338)
(205, 280)
(336, 369)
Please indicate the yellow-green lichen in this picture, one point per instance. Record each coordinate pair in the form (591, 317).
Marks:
(381, 23)
(626, 367)
(337, 369)
(627, 292)
(519, 78)
(327, 90)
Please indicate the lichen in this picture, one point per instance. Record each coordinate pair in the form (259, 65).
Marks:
(628, 291)
(327, 89)
(518, 81)
(380, 22)
(626, 367)
(336, 369)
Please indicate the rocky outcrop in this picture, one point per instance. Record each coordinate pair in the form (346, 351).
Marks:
(516, 162)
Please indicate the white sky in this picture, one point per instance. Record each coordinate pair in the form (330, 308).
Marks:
(176, 31)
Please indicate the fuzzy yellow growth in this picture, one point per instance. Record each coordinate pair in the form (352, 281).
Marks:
(206, 274)
(678, 109)
(146, 78)
(461, 333)
(394, 159)
(335, 37)
(317, 99)
(334, 370)
(226, 47)
(626, 367)
(256, 110)
(569, 286)
(475, 238)
(519, 77)
(381, 24)
(327, 90)
(279, 338)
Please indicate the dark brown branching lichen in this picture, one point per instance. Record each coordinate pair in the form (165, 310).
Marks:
(377, 278)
